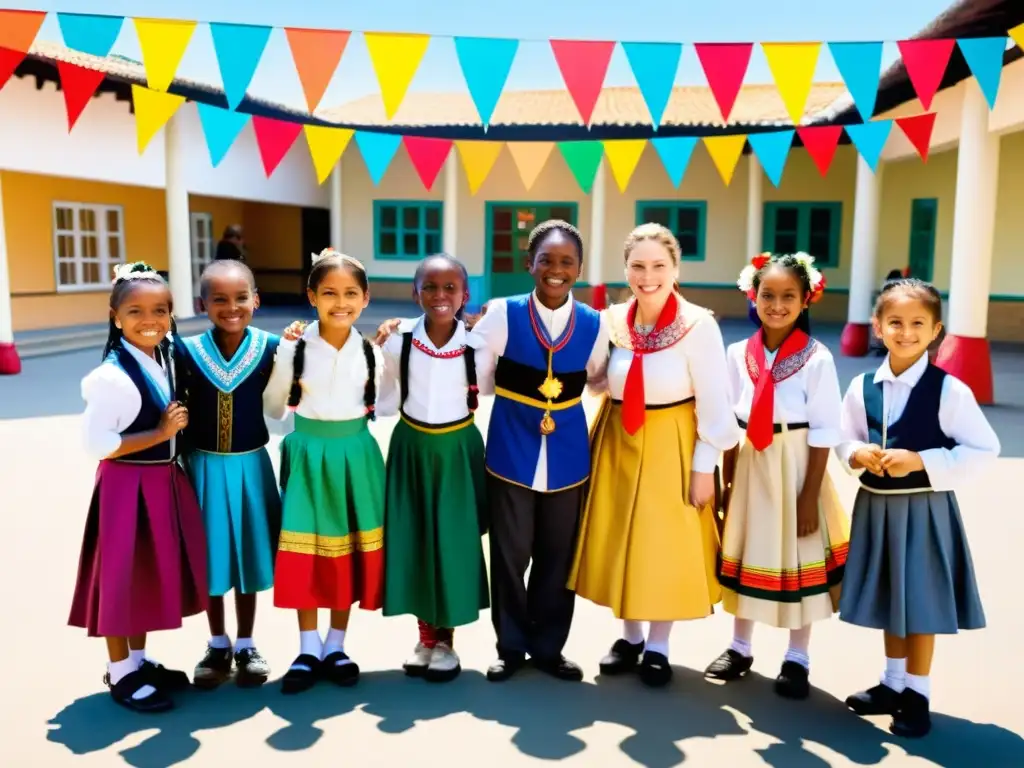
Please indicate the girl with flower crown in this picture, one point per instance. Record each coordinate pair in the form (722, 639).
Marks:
(785, 535)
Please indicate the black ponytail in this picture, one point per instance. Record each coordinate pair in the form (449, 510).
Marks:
(803, 322)
(298, 364)
(114, 336)
(370, 391)
(473, 391)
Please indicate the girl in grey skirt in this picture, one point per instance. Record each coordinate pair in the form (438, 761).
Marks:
(910, 432)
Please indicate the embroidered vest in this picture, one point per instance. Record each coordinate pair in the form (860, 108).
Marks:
(154, 403)
(468, 355)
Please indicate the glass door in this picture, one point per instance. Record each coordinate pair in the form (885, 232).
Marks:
(508, 233)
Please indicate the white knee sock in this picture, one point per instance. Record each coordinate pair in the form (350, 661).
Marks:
(120, 669)
(799, 643)
(895, 674)
(657, 637)
(742, 634)
(921, 684)
(242, 643)
(633, 631)
(310, 643)
(335, 642)
(137, 656)
(220, 642)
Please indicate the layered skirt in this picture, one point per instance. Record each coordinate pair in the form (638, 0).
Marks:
(910, 570)
(242, 513)
(143, 562)
(330, 553)
(643, 551)
(433, 523)
(768, 573)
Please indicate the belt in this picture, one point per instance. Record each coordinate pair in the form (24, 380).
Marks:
(437, 429)
(780, 428)
(659, 406)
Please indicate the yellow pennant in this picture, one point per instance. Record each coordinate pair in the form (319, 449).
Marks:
(530, 158)
(725, 151)
(152, 111)
(623, 156)
(163, 43)
(478, 158)
(396, 57)
(326, 146)
(1017, 33)
(792, 66)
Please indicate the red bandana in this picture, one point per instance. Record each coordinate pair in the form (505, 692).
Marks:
(633, 398)
(791, 357)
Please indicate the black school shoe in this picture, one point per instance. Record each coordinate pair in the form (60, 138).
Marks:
(344, 675)
(731, 665)
(793, 682)
(560, 668)
(622, 658)
(159, 676)
(879, 700)
(504, 667)
(213, 669)
(251, 669)
(127, 686)
(912, 719)
(655, 671)
(302, 675)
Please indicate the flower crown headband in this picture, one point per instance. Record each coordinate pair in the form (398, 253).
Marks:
(817, 280)
(133, 271)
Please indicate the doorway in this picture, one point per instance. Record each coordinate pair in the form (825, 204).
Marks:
(507, 235)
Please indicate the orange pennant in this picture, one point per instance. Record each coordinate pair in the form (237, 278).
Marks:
(18, 29)
(316, 53)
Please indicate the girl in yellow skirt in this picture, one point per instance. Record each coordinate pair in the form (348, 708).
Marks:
(785, 539)
(648, 538)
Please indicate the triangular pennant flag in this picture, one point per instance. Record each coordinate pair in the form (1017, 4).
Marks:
(220, 128)
(1017, 33)
(326, 146)
(530, 158)
(583, 159)
(396, 57)
(90, 34)
(860, 66)
(316, 53)
(984, 55)
(821, 142)
(274, 138)
(478, 158)
(9, 61)
(675, 153)
(152, 111)
(725, 151)
(792, 66)
(427, 156)
(623, 156)
(725, 66)
(78, 84)
(772, 150)
(654, 66)
(378, 150)
(918, 130)
(485, 62)
(869, 139)
(163, 43)
(18, 29)
(239, 48)
(925, 62)
(583, 64)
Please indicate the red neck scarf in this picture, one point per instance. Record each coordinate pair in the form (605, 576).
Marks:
(761, 424)
(633, 398)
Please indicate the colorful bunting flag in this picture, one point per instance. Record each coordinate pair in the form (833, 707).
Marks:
(1017, 33)
(654, 66)
(583, 64)
(925, 62)
(725, 66)
(78, 85)
(395, 56)
(792, 66)
(427, 156)
(623, 156)
(239, 48)
(772, 150)
(478, 158)
(821, 142)
(220, 129)
(18, 29)
(860, 66)
(675, 153)
(316, 53)
(274, 138)
(90, 34)
(918, 130)
(869, 139)
(530, 158)
(9, 61)
(163, 43)
(378, 150)
(326, 146)
(984, 55)
(583, 159)
(485, 63)
(725, 151)
(153, 109)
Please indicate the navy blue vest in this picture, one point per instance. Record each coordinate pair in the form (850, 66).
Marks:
(917, 428)
(154, 403)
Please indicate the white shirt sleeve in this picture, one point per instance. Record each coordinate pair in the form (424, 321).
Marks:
(853, 425)
(111, 404)
(736, 364)
(717, 429)
(486, 363)
(275, 395)
(389, 395)
(492, 328)
(597, 365)
(824, 401)
(962, 419)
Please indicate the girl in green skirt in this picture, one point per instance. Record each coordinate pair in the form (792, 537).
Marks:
(434, 563)
(330, 553)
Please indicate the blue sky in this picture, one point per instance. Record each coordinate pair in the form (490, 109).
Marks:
(533, 21)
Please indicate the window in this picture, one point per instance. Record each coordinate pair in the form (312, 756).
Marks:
(813, 228)
(923, 220)
(406, 230)
(201, 225)
(686, 219)
(88, 242)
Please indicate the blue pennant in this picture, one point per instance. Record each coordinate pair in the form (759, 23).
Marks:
(984, 55)
(239, 49)
(220, 127)
(869, 139)
(378, 150)
(675, 155)
(94, 35)
(860, 65)
(772, 150)
(654, 66)
(485, 64)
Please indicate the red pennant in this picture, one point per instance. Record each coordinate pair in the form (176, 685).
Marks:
(925, 62)
(9, 61)
(918, 129)
(821, 142)
(79, 84)
(427, 156)
(583, 64)
(274, 138)
(725, 66)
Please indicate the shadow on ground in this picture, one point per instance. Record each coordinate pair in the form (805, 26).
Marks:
(689, 708)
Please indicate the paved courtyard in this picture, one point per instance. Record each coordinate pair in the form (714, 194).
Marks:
(57, 713)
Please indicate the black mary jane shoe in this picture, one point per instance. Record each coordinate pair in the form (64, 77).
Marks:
(251, 669)
(622, 658)
(913, 719)
(159, 676)
(125, 688)
(793, 681)
(346, 674)
(655, 671)
(505, 667)
(731, 665)
(213, 669)
(302, 675)
(560, 668)
(879, 700)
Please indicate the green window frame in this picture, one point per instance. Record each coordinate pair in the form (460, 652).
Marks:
(924, 221)
(407, 230)
(686, 218)
(813, 228)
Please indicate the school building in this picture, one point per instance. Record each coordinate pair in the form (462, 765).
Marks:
(73, 205)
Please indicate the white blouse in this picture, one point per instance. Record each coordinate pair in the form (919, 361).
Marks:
(112, 402)
(333, 380)
(810, 396)
(437, 386)
(960, 418)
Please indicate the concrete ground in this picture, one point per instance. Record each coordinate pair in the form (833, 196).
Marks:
(58, 714)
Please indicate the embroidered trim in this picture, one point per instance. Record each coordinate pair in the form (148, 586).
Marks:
(450, 355)
(671, 334)
(785, 368)
(224, 375)
(331, 546)
(541, 332)
(225, 421)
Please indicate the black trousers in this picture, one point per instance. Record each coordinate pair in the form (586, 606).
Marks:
(526, 525)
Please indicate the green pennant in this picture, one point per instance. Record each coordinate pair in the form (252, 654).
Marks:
(583, 159)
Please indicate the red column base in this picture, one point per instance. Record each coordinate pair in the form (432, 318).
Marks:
(599, 297)
(10, 363)
(970, 361)
(856, 340)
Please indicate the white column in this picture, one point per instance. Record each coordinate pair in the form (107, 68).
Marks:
(755, 209)
(337, 237)
(595, 258)
(9, 361)
(864, 258)
(450, 236)
(179, 241)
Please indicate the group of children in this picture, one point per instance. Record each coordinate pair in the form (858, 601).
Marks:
(186, 506)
